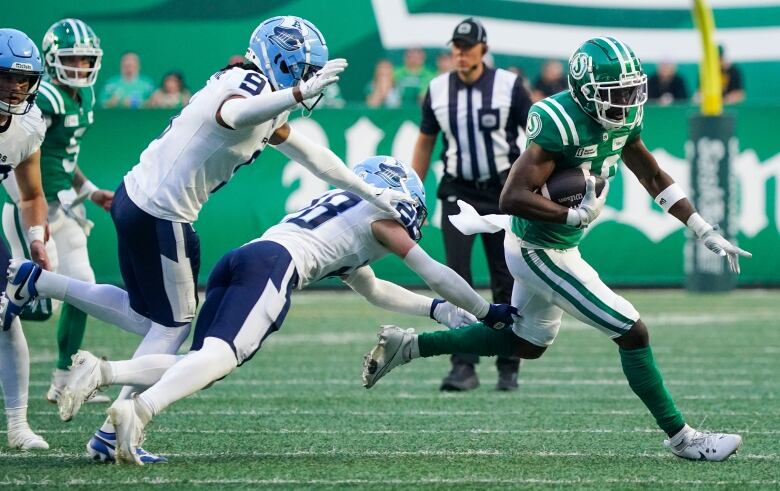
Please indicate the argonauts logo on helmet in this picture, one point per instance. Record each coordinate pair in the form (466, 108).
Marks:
(289, 34)
(578, 65)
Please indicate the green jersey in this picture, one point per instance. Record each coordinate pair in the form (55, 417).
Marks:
(560, 126)
(67, 120)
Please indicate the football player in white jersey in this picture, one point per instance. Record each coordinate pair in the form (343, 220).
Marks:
(248, 296)
(226, 125)
(21, 133)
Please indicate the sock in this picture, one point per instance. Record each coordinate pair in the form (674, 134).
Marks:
(70, 334)
(476, 338)
(192, 373)
(14, 366)
(159, 340)
(646, 381)
(17, 418)
(142, 371)
(105, 302)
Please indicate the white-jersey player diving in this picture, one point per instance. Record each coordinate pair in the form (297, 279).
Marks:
(248, 296)
(226, 125)
(21, 132)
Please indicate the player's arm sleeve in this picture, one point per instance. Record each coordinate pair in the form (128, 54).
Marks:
(387, 295)
(429, 125)
(544, 130)
(251, 111)
(446, 282)
(323, 163)
(520, 104)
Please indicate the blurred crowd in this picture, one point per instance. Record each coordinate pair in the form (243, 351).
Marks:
(403, 84)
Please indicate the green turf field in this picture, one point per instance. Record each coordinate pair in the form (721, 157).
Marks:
(296, 416)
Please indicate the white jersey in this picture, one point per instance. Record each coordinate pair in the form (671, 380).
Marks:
(331, 237)
(195, 156)
(19, 138)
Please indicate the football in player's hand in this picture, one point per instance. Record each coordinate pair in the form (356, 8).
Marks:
(567, 186)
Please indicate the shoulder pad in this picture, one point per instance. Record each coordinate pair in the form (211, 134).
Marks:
(33, 123)
(550, 126)
(240, 80)
(49, 99)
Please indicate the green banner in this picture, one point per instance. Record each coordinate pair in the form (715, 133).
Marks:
(633, 243)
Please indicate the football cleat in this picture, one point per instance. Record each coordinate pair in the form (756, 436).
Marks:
(394, 348)
(83, 384)
(102, 448)
(129, 431)
(20, 291)
(702, 445)
(59, 380)
(23, 438)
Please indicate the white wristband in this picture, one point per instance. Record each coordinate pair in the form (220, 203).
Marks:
(36, 232)
(573, 218)
(698, 225)
(88, 188)
(669, 196)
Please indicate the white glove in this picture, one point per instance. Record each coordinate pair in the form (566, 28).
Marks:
(590, 207)
(327, 75)
(722, 247)
(386, 199)
(451, 315)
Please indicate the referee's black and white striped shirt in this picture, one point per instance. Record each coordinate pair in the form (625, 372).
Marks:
(480, 122)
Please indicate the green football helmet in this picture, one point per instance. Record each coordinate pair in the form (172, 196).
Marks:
(71, 38)
(606, 80)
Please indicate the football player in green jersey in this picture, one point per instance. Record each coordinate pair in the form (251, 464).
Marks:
(72, 56)
(595, 125)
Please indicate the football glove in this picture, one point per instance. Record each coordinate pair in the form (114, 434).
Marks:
(327, 75)
(499, 316)
(590, 207)
(722, 247)
(386, 199)
(450, 315)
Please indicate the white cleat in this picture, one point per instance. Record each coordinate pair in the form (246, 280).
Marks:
(24, 439)
(129, 430)
(702, 445)
(394, 348)
(84, 380)
(58, 382)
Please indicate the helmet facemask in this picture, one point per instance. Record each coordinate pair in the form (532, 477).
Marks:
(72, 76)
(614, 101)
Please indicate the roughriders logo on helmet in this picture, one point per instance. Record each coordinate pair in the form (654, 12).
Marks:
(579, 65)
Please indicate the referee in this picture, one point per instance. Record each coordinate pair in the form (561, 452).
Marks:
(479, 111)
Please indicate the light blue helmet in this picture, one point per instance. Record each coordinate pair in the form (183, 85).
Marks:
(19, 58)
(287, 49)
(387, 172)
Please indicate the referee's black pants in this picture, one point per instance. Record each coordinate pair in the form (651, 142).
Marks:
(458, 247)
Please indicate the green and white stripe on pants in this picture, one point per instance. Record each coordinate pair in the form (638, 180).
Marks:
(549, 282)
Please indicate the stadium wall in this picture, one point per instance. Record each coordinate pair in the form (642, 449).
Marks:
(633, 243)
(197, 37)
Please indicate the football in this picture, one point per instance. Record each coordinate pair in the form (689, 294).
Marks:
(567, 187)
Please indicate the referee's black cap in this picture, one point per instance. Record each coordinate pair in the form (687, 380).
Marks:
(469, 31)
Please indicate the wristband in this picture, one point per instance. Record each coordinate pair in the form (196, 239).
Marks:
(434, 304)
(88, 188)
(36, 232)
(669, 196)
(573, 218)
(698, 225)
